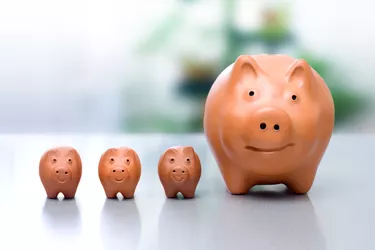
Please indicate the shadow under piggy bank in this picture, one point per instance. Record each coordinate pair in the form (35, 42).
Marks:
(264, 220)
(180, 225)
(120, 225)
(62, 217)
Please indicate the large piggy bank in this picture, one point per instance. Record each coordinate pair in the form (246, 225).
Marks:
(119, 172)
(268, 119)
(60, 170)
(179, 170)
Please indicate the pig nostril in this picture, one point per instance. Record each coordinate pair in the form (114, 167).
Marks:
(122, 170)
(183, 172)
(174, 171)
(57, 171)
(66, 172)
(113, 170)
(263, 126)
(276, 127)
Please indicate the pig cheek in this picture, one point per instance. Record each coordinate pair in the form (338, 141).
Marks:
(305, 130)
(73, 172)
(235, 129)
(49, 171)
(106, 173)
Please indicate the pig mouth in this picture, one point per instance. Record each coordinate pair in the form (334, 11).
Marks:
(119, 179)
(62, 179)
(178, 178)
(268, 150)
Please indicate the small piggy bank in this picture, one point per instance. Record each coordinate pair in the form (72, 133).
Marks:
(60, 170)
(179, 170)
(119, 172)
(268, 119)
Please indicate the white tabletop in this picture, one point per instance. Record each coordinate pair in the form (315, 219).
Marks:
(337, 214)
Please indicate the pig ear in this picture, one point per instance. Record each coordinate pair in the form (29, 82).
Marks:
(129, 152)
(245, 68)
(299, 74)
(52, 153)
(72, 151)
(188, 150)
(171, 152)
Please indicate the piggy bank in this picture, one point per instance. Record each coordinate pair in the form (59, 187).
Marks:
(119, 172)
(268, 119)
(60, 170)
(179, 170)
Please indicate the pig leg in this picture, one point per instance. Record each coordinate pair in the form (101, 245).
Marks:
(52, 193)
(127, 194)
(235, 180)
(69, 194)
(300, 181)
(171, 193)
(188, 193)
(111, 194)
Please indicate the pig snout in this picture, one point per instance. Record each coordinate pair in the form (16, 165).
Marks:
(270, 126)
(179, 174)
(62, 174)
(119, 174)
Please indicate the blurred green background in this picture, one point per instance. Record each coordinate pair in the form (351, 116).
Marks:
(272, 33)
(147, 67)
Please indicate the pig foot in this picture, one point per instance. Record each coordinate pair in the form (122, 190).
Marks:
(188, 194)
(127, 195)
(69, 194)
(298, 188)
(237, 189)
(235, 182)
(52, 194)
(171, 194)
(111, 194)
(301, 181)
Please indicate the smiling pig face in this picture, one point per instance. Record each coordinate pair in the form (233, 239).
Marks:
(60, 170)
(179, 170)
(119, 171)
(269, 115)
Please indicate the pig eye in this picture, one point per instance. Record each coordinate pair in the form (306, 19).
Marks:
(251, 93)
(127, 161)
(171, 160)
(54, 160)
(70, 160)
(294, 97)
(188, 160)
(112, 160)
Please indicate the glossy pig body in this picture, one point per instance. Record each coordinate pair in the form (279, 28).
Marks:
(268, 120)
(179, 170)
(119, 172)
(60, 170)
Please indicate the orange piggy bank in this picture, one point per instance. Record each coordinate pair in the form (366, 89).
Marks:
(60, 170)
(119, 172)
(179, 170)
(268, 119)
